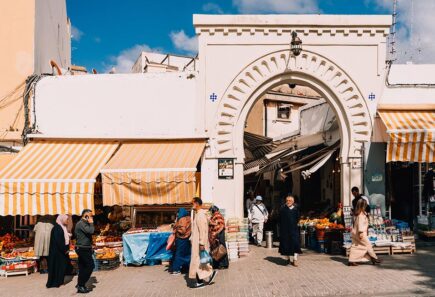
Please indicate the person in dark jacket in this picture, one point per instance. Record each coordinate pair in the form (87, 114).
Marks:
(357, 196)
(289, 244)
(58, 259)
(83, 231)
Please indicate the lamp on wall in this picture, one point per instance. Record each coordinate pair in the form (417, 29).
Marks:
(295, 44)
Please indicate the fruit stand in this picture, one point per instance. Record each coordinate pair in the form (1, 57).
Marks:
(18, 261)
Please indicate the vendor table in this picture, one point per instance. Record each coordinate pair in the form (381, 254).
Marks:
(146, 248)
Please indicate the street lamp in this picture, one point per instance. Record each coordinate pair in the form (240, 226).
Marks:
(295, 44)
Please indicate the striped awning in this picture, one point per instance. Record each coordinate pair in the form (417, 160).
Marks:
(411, 135)
(53, 177)
(5, 159)
(152, 172)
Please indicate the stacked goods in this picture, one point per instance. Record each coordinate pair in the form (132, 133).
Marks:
(231, 234)
(107, 259)
(109, 241)
(17, 268)
(9, 241)
(243, 238)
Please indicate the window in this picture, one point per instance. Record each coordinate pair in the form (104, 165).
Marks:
(283, 111)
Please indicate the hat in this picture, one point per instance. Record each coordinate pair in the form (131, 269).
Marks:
(259, 198)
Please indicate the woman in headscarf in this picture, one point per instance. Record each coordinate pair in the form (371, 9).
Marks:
(41, 247)
(361, 249)
(216, 235)
(58, 259)
(182, 231)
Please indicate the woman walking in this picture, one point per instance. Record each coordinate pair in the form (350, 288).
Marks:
(216, 235)
(58, 259)
(289, 243)
(361, 249)
(182, 230)
(42, 241)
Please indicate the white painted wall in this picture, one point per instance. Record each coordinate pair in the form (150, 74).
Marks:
(277, 128)
(117, 106)
(52, 35)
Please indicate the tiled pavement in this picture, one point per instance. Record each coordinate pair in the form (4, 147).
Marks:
(261, 274)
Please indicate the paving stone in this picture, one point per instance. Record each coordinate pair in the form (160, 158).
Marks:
(262, 274)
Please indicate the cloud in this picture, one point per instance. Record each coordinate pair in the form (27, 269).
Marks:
(276, 6)
(415, 29)
(183, 42)
(213, 8)
(123, 62)
(76, 34)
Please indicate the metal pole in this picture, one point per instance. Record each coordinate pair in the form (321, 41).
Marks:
(420, 191)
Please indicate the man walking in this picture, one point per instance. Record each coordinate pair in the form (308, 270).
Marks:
(289, 243)
(203, 273)
(257, 216)
(83, 231)
(357, 196)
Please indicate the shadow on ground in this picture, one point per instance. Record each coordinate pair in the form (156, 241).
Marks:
(277, 260)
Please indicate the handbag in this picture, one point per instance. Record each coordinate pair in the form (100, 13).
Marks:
(218, 252)
(171, 241)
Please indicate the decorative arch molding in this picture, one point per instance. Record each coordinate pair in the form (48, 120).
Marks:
(310, 68)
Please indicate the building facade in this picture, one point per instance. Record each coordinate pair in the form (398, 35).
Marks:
(32, 33)
(243, 59)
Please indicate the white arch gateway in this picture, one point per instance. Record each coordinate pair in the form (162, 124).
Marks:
(243, 56)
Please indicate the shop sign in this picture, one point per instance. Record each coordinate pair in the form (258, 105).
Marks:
(226, 168)
(377, 177)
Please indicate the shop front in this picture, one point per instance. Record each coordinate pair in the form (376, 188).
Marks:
(410, 158)
(153, 179)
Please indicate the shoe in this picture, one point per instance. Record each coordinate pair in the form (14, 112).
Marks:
(175, 273)
(89, 289)
(198, 285)
(352, 264)
(259, 244)
(376, 261)
(212, 277)
(295, 263)
(82, 290)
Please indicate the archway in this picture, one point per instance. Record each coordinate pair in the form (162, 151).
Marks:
(309, 69)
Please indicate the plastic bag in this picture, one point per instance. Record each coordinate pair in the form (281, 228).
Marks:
(205, 257)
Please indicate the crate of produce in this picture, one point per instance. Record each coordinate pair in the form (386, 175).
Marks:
(382, 250)
(401, 250)
(108, 264)
(411, 240)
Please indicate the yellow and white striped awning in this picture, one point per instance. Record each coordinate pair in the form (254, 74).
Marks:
(411, 135)
(53, 177)
(152, 172)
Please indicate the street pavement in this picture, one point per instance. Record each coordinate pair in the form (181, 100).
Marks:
(263, 274)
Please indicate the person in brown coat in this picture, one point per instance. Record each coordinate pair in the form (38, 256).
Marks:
(182, 231)
(361, 249)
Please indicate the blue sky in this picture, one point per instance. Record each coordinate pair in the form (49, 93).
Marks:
(111, 33)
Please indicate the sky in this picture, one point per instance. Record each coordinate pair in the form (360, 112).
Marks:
(110, 34)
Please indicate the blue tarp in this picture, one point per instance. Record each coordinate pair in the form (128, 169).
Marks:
(157, 248)
(135, 247)
(145, 248)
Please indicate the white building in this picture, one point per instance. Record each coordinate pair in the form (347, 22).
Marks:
(242, 58)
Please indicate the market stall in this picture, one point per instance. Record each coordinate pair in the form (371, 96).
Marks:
(160, 178)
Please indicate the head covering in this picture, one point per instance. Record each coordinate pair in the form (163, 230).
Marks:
(62, 220)
(182, 212)
(259, 198)
(214, 209)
